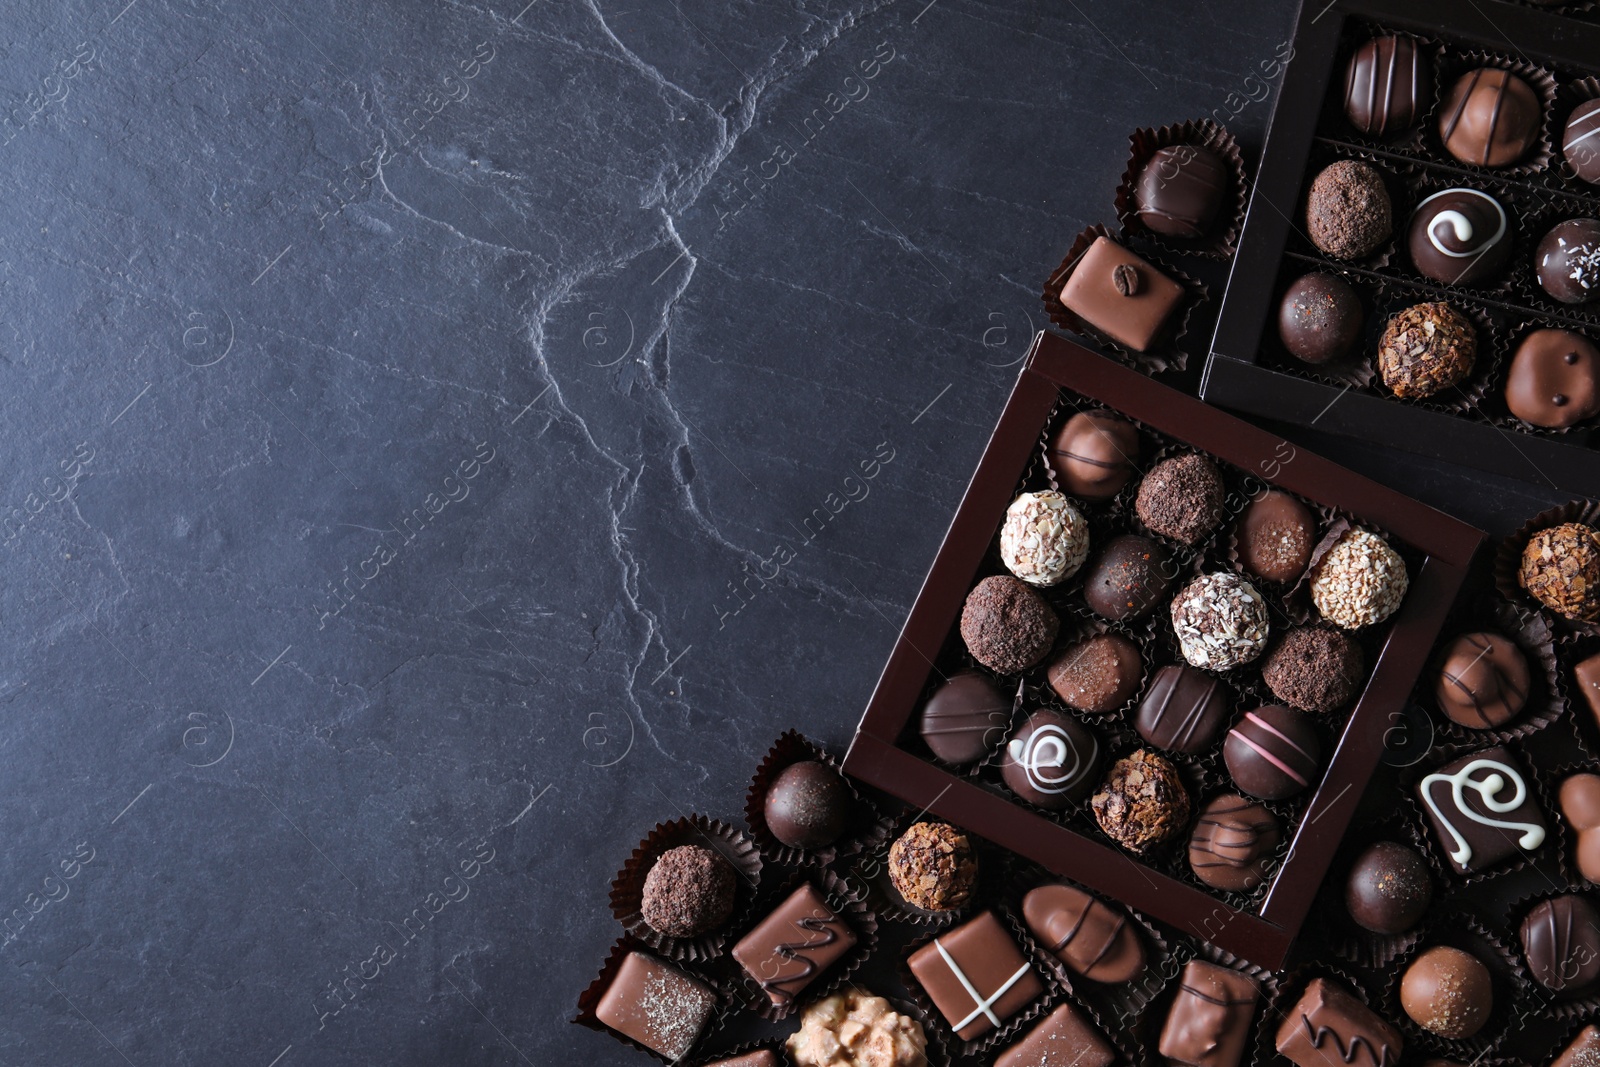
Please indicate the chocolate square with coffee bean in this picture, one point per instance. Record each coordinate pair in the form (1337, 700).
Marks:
(1121, 295)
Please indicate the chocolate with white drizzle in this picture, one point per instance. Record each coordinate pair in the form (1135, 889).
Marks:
(1460, 237)
(1482, 810)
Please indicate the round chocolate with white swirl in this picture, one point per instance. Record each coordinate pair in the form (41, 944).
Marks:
(1460, 237)
(1051, 760)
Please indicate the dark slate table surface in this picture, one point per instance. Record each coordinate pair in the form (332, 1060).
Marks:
(395, 397)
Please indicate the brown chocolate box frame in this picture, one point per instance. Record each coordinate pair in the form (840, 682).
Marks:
(1262, 936)
(1235, 379)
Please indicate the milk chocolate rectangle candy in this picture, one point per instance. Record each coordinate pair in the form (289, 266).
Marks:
(793, 945)
(1121, 295)
(657, 1005)
(1587, 675)
(976, 976)
(1584, 1050)
(1065, 1038)
(1331, 1028)
(1209, 1020)
(759, 1058)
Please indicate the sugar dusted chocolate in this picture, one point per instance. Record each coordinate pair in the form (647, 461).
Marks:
(657, 1005)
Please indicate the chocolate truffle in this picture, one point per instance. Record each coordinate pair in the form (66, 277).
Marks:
(1388, 889)
(1360, 581)
(808, 805)
(1275, 536)
(1555, 379)
(1044, 539)
(1447, 992)
(1220, 620)
(1561, 569)
(1182, 710)
(1567, 261)
(1425, 349)
(976, 976)
(657, 1005)
(856, 1028)
(1006, 626)
(1387, 86)
(1097, 674)
(1319, 320)
(801, 938)
(1095, 454)
(688, 892)
(1584, 1051)
(1095, 939)
(1460, 237)
(1489, 118)
(1561, 942)
(1121, 295)
(1051, 761)
(1348, 214)
(1272, 752)
(1209, 1019)
(1483, 681)
(1128, 579)
(1586, 677)
(1579, 800)
(1482, 810)
(1314, 669)
(1233, 844)
(1580, 143)
(1180, 189)
(1142, 803)
(1181, 498)
(1328, 1026)
(965, 717)
(932, 867)
(1064, 1039)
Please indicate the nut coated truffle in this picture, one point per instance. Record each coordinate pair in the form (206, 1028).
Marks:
(1314, 669)
(1388, 890)
(808, 805)
(1425, 349)
(688, 892)
(1181, 498)
(1348, 213)
(1045, 539)
(932, 866)
(1220, 620)
(1561, 569)
(1359, 582)
(1320, 319)
(1142, 802)
(1095, 454)
(1447, 992)
(1006, 626)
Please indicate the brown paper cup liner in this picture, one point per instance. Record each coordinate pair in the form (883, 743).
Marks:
(1167, 353)
(627, 889)
(1466, 395)
(1536, 999)
(845, 904)
(589, 999)
(1464, 931)
(1011, 1028)
(1356, 369)
(1291, 986)
(1508, 561)
(1546, 697)
(1223, 238)
(868, 828)
(713, 1059)
(1426, 840)
(1543, 83)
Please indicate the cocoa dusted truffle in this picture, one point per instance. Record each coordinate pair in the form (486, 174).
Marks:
(1142, 803)
(1388, 890)
(1361, 581)
(1095, 454)
(1490, 118)
(1448, 992)
(1319, 320)
(1425, 349)
(932, 866)
(1181, 498)
(1006, 626)
(1220, 620)
(688, 892)
(1044, 539)
(1561, 569)
(808, 805)
(1348, 213)
(1483, 681)
(1314, 669)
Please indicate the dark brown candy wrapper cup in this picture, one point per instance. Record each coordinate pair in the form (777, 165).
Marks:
(627, 888)
(1223, 238)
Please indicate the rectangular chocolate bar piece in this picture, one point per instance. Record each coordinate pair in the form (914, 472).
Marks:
(976, 976)
(794, 944)
(1482, 809)
(657, 1005)
(1329, 1027)
(1209, 1020)
(1121, 295)
(1584, 1050)
(1065, 1038)
(759, 1058)
(1587, 675)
